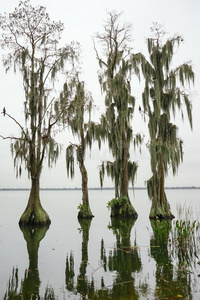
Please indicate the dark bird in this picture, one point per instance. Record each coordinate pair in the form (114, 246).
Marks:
(4, 111)
(139, 108)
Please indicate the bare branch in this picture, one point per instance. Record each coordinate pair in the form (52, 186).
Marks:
(11, 138)
(97, 54)
(21, 127)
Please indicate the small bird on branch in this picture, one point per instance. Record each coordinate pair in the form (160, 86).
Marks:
(139, 108)
(4, 111)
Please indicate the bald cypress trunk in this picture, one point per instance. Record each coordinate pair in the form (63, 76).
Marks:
(85, 211)
(124, 209)
(124, 177)
(162, 181)
(34, 213)
(160, 208)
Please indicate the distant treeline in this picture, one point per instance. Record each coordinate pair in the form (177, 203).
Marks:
(97, 188)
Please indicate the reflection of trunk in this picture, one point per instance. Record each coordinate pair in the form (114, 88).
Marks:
(124, 260)
(34, 213)
(28, 288)
(31, 282)
(82, 285)
(169, 283)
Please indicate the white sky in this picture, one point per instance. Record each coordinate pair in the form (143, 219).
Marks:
(82, 20)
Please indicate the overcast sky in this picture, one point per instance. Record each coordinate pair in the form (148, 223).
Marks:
(82, 19)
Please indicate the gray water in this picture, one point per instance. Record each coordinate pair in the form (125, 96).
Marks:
(64, 237)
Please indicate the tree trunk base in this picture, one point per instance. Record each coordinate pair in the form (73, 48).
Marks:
(162, 217)
(34, 217)
(160, 212)
(126, 211)
(85, 213)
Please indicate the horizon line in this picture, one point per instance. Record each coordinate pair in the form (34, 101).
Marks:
(93, 188)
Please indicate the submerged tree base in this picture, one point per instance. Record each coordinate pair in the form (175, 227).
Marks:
(84, 212)
(122, 208)
(123, 213)
(161, 212)
(161, 217)
(34, 217)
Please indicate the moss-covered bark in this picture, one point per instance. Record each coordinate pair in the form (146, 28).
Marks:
(122, 208)
(160, 211)
(160, 208)
(85, 211)
(34, 214)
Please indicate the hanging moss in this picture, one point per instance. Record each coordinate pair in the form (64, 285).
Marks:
(163, 94)
(117, 66)
(80, 104)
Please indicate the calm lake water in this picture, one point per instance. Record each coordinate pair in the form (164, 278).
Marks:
(101, 259)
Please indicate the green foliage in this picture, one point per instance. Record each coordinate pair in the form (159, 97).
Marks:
(185, 231)
(117, 202)
(82, 207)
(84, 211)
(185, 236)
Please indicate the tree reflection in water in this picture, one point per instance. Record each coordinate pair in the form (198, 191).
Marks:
(124, 260)
(116, 278)
(173, 280)
(83, 285)
(28, 287)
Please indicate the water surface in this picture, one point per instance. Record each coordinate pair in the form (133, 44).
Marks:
(101, 259)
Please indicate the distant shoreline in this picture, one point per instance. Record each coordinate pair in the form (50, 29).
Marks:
(96, 188)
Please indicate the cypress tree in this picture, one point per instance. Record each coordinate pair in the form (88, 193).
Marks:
(79, 106)
(114, 78)
(31, 39)
(163, 94)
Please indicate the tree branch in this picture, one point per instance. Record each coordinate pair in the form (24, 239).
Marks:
(11, 138)
(17, 123)
(99, 59)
